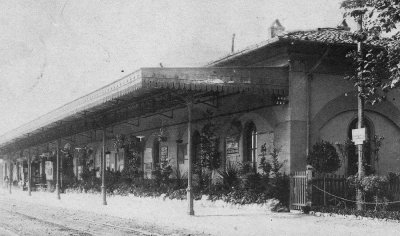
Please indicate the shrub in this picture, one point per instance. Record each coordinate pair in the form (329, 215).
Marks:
(180, 178)
(264, 166)
(373, 188)
(230, 176)
(252, 180)
(391, 215)
(276, 165)
(179, 194)
(280, 189)
(132, 168)
(324, 158)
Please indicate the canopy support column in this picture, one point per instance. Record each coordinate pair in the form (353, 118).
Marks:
(58, 169)
(29, 173)
(189, 152)
(103, 164)
(11, 176)
(20, 168)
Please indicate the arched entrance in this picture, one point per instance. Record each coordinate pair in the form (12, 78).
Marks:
(250, 144)
(156, 153)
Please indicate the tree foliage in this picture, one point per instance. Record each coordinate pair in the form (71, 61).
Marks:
(324, 158)
(132, 167)
(210, 155)
(380, 61)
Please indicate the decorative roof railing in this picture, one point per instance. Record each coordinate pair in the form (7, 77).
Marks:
(256, 79)
(102, 95)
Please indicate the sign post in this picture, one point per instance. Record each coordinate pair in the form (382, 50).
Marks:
(358, 136)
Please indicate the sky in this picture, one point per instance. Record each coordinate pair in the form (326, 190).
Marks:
(54, 51)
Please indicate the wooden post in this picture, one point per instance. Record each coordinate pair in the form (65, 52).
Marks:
(291, 193)
(189, 152)
(103, 164)
(309, 176)
(29, 173)
(58, 169)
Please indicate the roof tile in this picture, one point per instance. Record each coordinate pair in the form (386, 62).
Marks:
(323, 35)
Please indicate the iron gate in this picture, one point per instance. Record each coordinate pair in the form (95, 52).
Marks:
(298, 190)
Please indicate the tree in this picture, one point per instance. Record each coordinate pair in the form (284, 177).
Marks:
(376, 68)
(132, 166)
(324, 158)
(210, 157)
(379, 64)
(209, 141)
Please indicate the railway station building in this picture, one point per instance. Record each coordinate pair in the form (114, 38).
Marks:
(287, 92)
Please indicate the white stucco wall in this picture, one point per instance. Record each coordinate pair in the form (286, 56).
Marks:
(330, 91)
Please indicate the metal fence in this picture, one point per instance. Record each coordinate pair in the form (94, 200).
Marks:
(331, 190)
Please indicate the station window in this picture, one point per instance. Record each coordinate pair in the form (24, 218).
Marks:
(250, 143)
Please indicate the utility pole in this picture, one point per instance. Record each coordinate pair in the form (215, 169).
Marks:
(360, 105)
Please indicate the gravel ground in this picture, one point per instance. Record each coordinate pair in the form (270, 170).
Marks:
(24, 218)
(168, 217)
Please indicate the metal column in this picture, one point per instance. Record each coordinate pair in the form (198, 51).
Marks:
(103, 164)
(29, 172)
(10, 180)
(58, 169)
(189, 152)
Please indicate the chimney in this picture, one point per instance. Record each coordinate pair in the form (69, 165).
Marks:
(276, 29)
(233, 43)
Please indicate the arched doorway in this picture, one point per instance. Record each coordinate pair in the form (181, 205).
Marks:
(156, 153)
(250, 144)
(352, 154)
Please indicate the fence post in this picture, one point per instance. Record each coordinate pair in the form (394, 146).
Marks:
(309, 176)
(291, 194)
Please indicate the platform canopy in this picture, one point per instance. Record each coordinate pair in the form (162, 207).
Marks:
(143, 92)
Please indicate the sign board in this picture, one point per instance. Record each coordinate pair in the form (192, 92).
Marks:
(358, 135)
(49, 170)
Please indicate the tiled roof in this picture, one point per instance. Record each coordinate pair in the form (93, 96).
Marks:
(323, 35)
